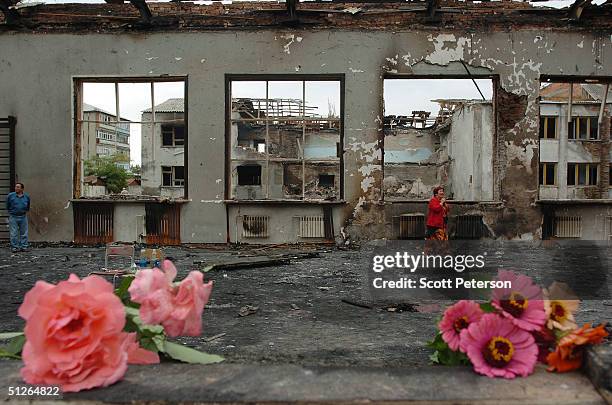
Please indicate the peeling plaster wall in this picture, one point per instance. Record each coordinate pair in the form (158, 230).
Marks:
(42, 102)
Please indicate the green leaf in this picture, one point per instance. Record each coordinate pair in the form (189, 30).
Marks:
(9, 335)
(487, 307)
(4, 353)
(444, 355)
(189, 355)
(122, 290)
(16, 345)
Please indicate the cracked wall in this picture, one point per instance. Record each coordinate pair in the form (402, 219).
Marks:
(364, 57)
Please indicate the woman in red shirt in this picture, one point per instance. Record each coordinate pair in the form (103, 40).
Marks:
(437, 216)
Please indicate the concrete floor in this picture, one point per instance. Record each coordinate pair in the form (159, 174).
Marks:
(303, 320)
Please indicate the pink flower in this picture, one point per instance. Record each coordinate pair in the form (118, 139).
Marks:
(138, 355)
(177, 309)
(152, 289)
(74, 334)
(498, 348)
(189, 301)
(523, 303)
(456, 318)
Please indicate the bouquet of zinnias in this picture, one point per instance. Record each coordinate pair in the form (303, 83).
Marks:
(521, 325)
(82, 334)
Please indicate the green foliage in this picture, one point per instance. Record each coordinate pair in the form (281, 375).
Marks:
(444, 355)
(13, 349)
(487, 307)
(105, 167)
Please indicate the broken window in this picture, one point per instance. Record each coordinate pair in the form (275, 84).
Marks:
(326, 180)
(173, 135)
(173, 176)
(135, 125)
(291, 130)
(249, 175)
(582, 174)
(548, 174)
(548, 127)
(583, 128)
(438, 132)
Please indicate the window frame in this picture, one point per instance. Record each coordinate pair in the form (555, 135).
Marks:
(576, 125)
(546, 118)
(543, 168)
(230, 78)
(78, 120)
(587, 175)
(173, 127)
(173, 178)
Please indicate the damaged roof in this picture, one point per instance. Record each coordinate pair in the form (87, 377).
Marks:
(172, 105)
(186, 16)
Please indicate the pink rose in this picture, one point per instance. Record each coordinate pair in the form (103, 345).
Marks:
(177, 309)
(74, 334)
(189, 301)
(152, 289)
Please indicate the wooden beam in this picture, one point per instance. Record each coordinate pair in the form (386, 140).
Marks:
(11, 16)
(145, 13)
(575, 11)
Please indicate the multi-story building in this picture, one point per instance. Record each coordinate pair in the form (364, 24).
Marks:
(102, 135)
(574, 170)
(163, 150)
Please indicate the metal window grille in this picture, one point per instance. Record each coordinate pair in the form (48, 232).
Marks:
(469, 227)
(163, 224)
(93, 223)
(411, 226)
(312, 226)
(7, 169)
(568, 227)
(255, 226)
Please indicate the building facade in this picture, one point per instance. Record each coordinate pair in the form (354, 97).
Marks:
(498, 190)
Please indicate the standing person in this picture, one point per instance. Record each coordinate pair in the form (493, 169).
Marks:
(437, 216)
(18, 205)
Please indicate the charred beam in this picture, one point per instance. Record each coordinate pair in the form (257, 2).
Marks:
(143, 9)
(292, 9)
(575, 11)
(11, 16)
(432, 7)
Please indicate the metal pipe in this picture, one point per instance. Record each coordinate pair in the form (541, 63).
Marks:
(473, 81)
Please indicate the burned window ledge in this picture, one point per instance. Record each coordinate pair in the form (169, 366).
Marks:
(289, 202)
(132, 200)
(582, 201)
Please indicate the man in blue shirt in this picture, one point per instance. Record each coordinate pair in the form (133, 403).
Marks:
(18, 205)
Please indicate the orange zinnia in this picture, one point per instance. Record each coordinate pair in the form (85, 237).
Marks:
(569, 352)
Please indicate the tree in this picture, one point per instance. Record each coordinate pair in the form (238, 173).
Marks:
(105, 168)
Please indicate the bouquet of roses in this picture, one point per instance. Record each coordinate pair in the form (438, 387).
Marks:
(82, 334)
(519, 326)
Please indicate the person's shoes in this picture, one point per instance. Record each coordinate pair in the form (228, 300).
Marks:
(24, 249)
(15, 250)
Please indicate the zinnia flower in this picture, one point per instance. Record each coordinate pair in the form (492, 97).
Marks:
(456, 318)
(177, 309)
(545, 340)
(522, 303)
(560, 306)
(498, 348)
(569, 353)
(74, 334)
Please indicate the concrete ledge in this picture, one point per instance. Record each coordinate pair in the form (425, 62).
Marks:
(598, 366)
(238, 383)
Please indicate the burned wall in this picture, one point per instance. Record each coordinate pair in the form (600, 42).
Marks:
(363, 56)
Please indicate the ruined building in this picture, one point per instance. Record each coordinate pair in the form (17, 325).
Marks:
(531, 162)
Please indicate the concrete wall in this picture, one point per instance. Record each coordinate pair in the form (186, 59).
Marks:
(470, 151)
(519, 58)
(154, 156)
